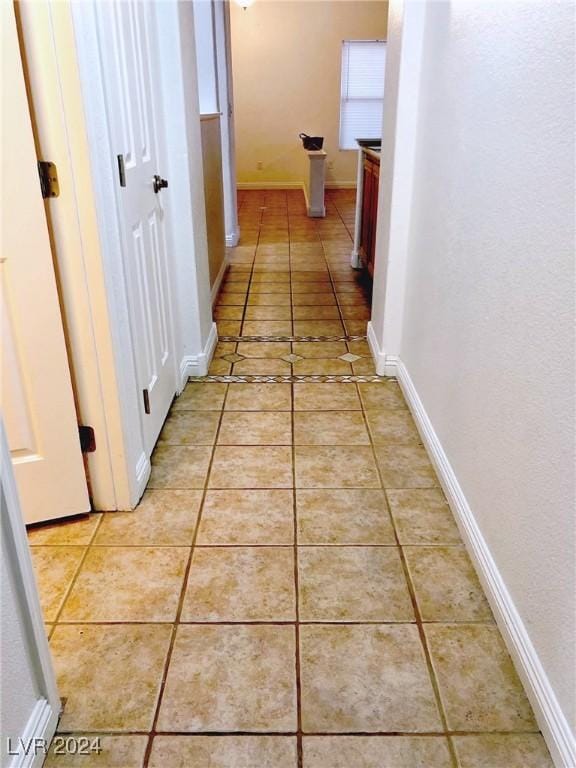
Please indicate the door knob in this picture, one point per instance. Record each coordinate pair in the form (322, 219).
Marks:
(159, 183)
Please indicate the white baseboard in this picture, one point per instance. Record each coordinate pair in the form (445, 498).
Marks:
(385, 364)
(143, 470)
(355, 260)
(305, 193)
(232, 238)
(219, 278)
(292, 185)
(197, 365)
(340, 185)
(269, 185)
(39, 730)
(552, 721)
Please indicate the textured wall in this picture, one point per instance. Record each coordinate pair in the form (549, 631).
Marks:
(286, 63)
(488, 324)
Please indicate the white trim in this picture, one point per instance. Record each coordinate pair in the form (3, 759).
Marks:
(44, 716)
(398, 158)
(40, 730)
(292, 185)
(269, 185)
(552, 721)
(223, 59)
(340, 185)
(232, 238)
(219, 278)
(306, 200)
(197, 365)
(386, 365)
(142, 473)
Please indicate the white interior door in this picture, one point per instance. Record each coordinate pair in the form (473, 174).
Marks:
(36, 393)
(128, 47)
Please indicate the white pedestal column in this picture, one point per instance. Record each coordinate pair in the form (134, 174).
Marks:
(315, 201)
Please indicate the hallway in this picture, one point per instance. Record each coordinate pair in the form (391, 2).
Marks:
(292, 589)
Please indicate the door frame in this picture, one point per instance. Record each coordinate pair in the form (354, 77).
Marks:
(67, 103)
(225, 88)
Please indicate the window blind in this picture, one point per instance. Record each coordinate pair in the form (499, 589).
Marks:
(362, 91)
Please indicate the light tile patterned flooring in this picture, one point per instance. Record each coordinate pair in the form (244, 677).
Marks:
(292, 589)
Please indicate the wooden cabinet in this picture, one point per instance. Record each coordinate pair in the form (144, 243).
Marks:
(370, 179)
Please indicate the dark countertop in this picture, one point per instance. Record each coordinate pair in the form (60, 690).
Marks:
(370, 147)
(374, 144)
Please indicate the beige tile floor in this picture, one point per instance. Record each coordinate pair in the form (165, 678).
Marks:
(292, 590)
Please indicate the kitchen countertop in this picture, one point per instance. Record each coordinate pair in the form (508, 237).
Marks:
(370, 147)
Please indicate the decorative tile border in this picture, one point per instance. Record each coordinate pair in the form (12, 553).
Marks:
(290, 338)
(318, 379)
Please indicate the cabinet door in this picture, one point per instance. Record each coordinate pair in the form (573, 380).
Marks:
(367, 184)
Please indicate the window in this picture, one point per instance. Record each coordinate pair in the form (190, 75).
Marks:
(362, 91)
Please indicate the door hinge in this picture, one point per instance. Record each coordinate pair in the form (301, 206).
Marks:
(48, 179)
(87, 439)
(146, 396)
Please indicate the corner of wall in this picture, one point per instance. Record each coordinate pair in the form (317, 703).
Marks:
(386, 365)
(197, 365)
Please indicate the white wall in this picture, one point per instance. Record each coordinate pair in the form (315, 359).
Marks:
(487, 328)
(29, 701)
(205, 57)
(19, 690)
(286, 63)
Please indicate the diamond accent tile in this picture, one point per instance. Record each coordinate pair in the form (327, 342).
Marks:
(234, 357)
(349, 357)
(292, 358)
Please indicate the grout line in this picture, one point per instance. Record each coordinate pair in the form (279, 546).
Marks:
(273, 622)
(297, 595)
(250, 279)
(176, 622)
(360, 734)
(81, 562)
(449, 545)
(416, 608)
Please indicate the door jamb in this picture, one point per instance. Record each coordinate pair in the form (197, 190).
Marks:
(224, 80)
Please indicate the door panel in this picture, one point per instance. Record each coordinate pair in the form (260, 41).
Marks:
(37, 399)
(127, 33)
